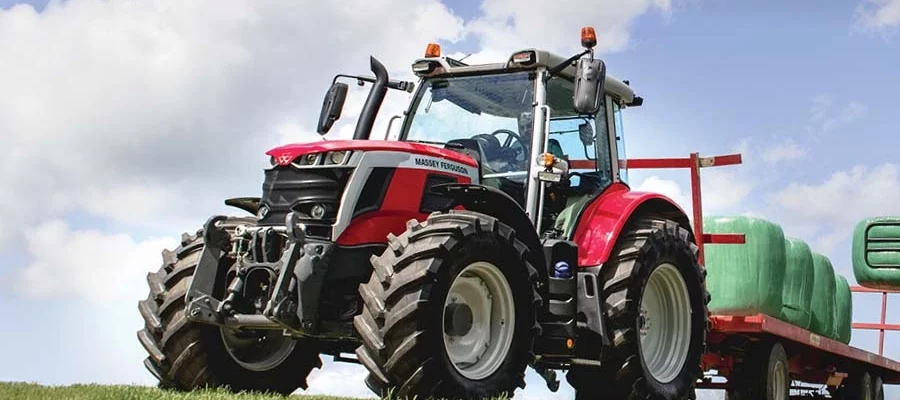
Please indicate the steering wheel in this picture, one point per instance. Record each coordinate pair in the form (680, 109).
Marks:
(512, 135)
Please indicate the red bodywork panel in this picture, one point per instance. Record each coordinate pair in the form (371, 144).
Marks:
(605, 217)
(401, 203)
(286, 154)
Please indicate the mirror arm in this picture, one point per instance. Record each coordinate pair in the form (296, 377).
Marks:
(561, 66)
(405, 86)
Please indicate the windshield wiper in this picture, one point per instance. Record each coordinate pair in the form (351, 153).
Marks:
(456, 145)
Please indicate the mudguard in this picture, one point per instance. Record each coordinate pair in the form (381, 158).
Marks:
(601, 222)
(494, 202)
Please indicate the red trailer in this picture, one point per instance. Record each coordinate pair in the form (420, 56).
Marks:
(758, 354)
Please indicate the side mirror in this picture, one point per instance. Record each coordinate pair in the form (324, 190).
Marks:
(586, 134)
(332, 106)
(590, 77)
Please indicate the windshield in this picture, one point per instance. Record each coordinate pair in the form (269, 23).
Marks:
(493, 109)
(497, 111)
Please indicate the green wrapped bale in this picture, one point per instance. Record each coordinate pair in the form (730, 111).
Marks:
(823, 297)
(876, 253)
(799, 277)
(745, 279)
(843, 310)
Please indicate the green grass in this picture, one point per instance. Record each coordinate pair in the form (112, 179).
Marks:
(33, 391)
(30, 391)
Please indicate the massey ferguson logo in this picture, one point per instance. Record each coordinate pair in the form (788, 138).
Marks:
(284, 159)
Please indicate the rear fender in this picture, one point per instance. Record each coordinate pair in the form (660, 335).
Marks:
(248, 204)
(491, 201)
(603, 219)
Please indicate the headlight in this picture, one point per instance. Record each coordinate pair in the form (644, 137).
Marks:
(308, 159)
(338, 157)
(317, 211)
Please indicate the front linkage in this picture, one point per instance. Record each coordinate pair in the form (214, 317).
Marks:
(289, 284)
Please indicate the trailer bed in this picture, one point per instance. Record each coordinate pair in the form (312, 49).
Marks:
(725, 325)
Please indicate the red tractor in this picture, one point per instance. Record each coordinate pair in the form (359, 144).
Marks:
(478, 244)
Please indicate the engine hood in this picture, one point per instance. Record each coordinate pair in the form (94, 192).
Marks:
(286, 154)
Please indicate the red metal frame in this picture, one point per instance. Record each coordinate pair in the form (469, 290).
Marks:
(694, 162)
(883, 326)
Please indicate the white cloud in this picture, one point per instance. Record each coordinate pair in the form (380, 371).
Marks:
(508, 25)
(105, 102)
(826, 115)
(786, 151)
(878, 15)
(825, 213)
(667, 187)
(86, 265)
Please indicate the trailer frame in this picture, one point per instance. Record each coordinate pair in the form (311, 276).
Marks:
(813, 359)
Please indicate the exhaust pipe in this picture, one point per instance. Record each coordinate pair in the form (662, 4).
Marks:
(373, 102)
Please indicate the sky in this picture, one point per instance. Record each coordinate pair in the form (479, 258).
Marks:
(126, 123)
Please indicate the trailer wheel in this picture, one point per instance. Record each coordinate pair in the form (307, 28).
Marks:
(654, 301)
(449, 310)
(764, 375)
(858, 386)
(878, 389)
(185, 355)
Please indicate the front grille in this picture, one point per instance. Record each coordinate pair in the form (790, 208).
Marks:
(288, 188)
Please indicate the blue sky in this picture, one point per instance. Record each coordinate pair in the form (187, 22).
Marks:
(800, 79)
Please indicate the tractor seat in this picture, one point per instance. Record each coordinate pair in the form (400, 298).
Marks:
(471, 148)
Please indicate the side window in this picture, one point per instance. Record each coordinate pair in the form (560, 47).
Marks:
(620, 141)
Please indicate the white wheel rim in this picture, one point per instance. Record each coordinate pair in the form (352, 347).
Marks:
(665, 323)
(780, 383)
(478, 320)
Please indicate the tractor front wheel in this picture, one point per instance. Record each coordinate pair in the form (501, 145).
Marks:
(655, 304)
(185, 355)
(449, 310)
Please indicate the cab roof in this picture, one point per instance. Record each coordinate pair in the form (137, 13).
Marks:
(539, 58)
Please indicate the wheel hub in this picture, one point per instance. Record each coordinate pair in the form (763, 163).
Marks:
(458, 319)
(478, 320)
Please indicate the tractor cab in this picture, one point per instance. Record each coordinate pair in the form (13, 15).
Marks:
(488, 111)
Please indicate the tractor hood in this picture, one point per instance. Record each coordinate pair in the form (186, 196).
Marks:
(284, 155)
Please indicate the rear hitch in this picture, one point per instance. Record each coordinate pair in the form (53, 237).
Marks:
(295, 302)
(201, 305)
(295, 296)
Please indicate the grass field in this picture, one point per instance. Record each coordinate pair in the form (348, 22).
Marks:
(29, 391)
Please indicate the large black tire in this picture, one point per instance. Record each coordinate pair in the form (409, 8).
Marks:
(186, 355)
(644, 245)
(401, 323)
(858, 386)
(763, 375)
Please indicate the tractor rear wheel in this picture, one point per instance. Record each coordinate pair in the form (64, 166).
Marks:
(655, 304)
(184, 355)
(450, 310)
